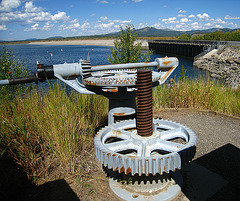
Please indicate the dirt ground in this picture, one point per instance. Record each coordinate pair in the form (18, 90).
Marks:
(212, 175)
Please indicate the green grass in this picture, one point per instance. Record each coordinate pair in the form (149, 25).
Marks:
(56, 128)
(198, 94)
(40, 130)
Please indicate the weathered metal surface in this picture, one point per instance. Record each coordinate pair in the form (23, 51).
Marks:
(153, 188)
(119, 78)
(144, 103)
(119, 111)
(120, 148)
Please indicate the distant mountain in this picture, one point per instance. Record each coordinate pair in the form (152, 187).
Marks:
(151, 31)
(54, 37)
(31, 39)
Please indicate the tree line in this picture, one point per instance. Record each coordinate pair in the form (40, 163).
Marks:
(218, 35)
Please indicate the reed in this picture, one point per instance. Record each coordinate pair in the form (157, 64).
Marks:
(42, 131)
(198, 94)
(53, 128)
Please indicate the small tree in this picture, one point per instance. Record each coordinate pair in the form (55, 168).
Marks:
(185, 37)
(9, 68)
(127, 49)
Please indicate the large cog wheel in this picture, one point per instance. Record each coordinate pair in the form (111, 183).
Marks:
(118, 147)
(109, 78)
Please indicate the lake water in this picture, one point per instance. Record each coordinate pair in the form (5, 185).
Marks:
(58, 54)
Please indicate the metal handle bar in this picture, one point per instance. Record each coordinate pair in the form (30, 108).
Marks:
(70, 71)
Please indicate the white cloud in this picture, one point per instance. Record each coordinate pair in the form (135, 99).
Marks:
(208, 24)
(137, 1)
(170, 20)
(104, 25)
(204, 16)
(104, 19)
(30, 8)
(218, 26)
(182, 11)
(47, 27)
(123, 21)
(60, 16)
(8, 5)
(183, 20)
(34, 27)
(191, 16)
(3, 27)
(181, 15)
(30, 15)
(104, 2)
(228, 17)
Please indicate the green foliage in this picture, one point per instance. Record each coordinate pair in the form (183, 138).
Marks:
(9, 68)
(219, 35)
(183, 76)
(197, 37)
(198, 94)
(127, 49)
(185, 37)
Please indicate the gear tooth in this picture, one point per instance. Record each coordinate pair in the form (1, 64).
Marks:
(144, 165)
(110, 161)
(154, 166)
(135, 166)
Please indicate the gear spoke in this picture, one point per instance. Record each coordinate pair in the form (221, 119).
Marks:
(117, 133)
(173, 133)
(168, 146)
(162, 152)
(120, 145)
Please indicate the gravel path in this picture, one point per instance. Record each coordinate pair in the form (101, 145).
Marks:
(217, 161)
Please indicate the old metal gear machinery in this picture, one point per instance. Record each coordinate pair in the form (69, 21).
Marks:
(145, 150)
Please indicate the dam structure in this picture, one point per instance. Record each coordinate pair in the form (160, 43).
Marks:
(189, 48)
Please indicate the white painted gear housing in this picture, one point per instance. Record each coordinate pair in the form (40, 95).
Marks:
(118, 147)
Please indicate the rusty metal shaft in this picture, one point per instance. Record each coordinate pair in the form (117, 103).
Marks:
(144, 103)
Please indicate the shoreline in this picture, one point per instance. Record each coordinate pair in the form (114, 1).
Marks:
(77, 42)
(89, 42)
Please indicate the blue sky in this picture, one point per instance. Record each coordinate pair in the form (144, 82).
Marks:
(23, 19)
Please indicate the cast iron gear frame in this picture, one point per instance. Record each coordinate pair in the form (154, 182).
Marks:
(118, 147)
(113, 78)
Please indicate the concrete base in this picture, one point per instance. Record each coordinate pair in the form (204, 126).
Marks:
(164, 189)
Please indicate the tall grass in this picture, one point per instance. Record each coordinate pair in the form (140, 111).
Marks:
(53, 128)
(44, 130)
(198, 94)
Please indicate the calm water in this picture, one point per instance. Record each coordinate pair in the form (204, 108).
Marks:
(56, 54)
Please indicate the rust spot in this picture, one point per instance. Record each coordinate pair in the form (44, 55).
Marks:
(116, 169)
(122, 169)
(167, 62)
(112, 90)
(166, 74)
(119, 114)
(117, 132)
(119, 156)
(129, 170)
(108, 154)
(114, 154)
